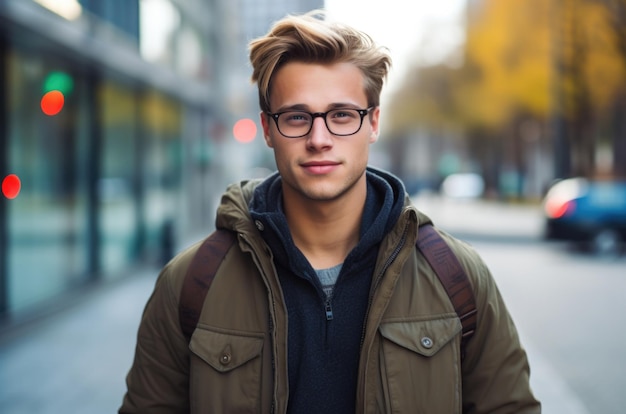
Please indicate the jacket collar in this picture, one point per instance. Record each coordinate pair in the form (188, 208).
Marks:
(384, 203)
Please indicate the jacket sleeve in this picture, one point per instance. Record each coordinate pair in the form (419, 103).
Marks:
(496, 372)
(158, 381)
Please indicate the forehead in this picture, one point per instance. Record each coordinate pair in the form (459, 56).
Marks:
(317, 86)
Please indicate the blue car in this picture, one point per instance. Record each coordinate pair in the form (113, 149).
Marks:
(589, 212)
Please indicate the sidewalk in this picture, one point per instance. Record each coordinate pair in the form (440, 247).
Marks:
(76, 360)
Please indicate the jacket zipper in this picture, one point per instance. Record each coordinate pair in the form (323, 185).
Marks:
(329, 310)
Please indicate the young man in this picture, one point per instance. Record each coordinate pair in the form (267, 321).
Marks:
(323, 304)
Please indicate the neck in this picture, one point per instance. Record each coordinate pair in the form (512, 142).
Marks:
(326, 231)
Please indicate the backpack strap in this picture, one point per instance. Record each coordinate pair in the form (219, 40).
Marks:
(211, 253)
(453, 278)
(199, 277)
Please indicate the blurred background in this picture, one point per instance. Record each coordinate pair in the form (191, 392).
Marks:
(122, 121)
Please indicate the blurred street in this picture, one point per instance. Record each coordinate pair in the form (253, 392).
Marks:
(566, 304)
(75, 360)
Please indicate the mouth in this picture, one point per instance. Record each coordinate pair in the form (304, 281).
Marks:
(320, 167)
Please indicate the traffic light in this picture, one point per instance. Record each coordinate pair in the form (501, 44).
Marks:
(56, 86)
(52, 102)
(58, 81)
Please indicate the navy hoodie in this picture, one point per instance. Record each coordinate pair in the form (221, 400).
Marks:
(324, 337)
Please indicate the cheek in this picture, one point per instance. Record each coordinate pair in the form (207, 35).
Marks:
(281, 154)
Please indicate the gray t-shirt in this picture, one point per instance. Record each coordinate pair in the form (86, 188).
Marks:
(328, 278)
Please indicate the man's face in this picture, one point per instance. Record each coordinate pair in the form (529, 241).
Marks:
(320, 166)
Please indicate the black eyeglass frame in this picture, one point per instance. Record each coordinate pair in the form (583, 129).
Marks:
(362, 112)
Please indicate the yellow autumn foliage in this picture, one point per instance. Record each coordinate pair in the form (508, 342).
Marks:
(535, 57)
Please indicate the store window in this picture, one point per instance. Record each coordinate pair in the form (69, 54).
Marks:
(118, 218)
(161, 123)
(46, 222)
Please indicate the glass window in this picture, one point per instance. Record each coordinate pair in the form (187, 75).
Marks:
(161, 124)
(117, 186)
(47, 226)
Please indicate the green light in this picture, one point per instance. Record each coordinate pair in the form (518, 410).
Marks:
(58, 81)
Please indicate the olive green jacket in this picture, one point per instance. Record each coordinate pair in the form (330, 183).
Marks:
(236, 361)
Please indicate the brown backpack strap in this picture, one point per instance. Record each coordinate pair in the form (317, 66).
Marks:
(452, 276)
(199, 277)
(211, 252)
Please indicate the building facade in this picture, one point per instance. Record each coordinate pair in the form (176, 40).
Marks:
(104, 131)
(116, 120)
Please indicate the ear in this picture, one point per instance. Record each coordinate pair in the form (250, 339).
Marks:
(265, 122)
(374, 119)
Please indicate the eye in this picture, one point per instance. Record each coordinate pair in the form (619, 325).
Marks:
(343, 115)
(296, 117)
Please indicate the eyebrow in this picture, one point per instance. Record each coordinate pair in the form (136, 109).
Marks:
(306, 108)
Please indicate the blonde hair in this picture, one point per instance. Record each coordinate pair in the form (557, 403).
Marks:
(309, 38)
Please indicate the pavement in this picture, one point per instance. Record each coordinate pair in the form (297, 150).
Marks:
(75, 359)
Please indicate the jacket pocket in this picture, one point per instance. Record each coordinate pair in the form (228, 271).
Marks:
(420, 364)
(225, 371)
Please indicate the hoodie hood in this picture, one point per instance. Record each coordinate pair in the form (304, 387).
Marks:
(232, 212)
(384, 202)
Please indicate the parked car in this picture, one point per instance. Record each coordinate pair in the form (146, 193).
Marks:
(590, 213)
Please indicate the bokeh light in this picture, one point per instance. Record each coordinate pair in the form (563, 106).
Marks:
(52, 102)
(11, 186)
(245, 130)
(58, 81)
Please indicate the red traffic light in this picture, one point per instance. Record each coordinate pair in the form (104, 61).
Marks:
(52, 102)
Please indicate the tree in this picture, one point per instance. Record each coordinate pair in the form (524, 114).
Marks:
(558, 63)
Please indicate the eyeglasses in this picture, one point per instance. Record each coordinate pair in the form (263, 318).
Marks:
(340, 122)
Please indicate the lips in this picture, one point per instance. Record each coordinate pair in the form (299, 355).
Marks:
(320, 167)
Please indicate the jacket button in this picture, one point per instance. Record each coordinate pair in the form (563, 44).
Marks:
(259, 225)
(225, 359)
(427, 342)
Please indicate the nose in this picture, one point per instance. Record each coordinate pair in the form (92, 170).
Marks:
(320, 136)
